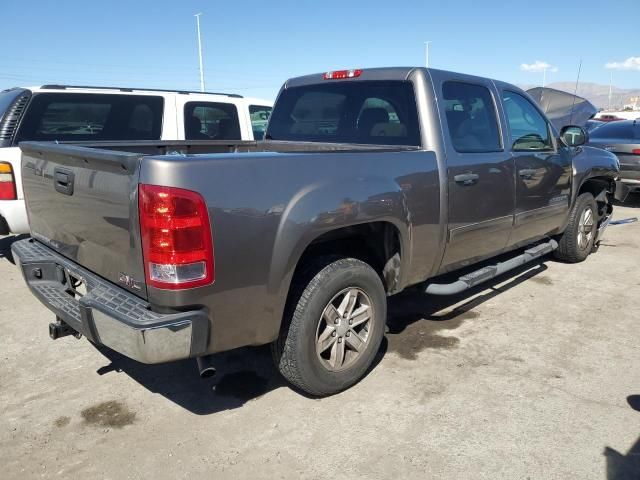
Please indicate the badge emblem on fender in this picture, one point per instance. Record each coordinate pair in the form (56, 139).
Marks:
(129, 281)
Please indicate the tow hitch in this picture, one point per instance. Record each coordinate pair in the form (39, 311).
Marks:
(60, 329)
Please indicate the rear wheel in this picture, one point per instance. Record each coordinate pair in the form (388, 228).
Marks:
(334, 326)
(578, 240)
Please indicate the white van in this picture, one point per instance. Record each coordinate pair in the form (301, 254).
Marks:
(71, 113)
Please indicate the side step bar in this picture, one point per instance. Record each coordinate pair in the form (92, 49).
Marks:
(487, 273)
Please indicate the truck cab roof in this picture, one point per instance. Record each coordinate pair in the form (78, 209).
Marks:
(378, 73)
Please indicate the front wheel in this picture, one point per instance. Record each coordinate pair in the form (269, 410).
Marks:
(333, 328)
(578, 239)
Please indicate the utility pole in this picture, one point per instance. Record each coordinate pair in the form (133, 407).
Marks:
(544, 76)
(197, 15)
(610, 89)
(426, 53)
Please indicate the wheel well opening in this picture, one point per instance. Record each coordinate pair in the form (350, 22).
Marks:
(602, 190)
(376, 243)
(595, 186)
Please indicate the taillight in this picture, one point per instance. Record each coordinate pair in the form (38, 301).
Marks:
(176, 237)
(7, 182)
(342, 74)
(636, 151)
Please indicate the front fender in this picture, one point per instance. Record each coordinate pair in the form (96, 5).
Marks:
(325, 206)
(590, 162)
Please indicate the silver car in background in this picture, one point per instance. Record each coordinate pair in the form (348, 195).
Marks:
(623, 139)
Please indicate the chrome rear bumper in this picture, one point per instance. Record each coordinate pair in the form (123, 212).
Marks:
(107, 314)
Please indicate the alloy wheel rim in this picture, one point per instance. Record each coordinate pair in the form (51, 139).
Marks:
(344, 329)
(585, 228)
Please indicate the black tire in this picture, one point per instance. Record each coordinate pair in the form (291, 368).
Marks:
(295, 353)
(569, 248)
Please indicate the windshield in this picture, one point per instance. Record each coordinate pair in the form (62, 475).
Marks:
(365, 112)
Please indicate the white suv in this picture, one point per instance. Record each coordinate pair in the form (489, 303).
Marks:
(69, 113)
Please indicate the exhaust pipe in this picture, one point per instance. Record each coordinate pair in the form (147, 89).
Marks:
(205, 366)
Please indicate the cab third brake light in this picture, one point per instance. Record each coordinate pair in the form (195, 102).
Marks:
(342, 74)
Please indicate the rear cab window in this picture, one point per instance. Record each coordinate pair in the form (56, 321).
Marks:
(211, 121)
(471, 117)
(363, 112)
(87, 116)
(259, 115)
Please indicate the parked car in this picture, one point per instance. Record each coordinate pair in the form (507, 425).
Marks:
(68, 113)
(622, 139)
(608, 118)
(593, 124)
(370, 181)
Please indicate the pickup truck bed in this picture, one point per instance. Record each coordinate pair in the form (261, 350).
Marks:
(97, 226)
(370, 181)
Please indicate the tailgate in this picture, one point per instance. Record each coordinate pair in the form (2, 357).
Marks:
(82, 202)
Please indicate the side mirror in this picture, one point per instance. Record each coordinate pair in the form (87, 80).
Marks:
(573, 136)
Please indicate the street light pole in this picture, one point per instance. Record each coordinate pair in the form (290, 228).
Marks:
(610, 88)
(426, 53)
(197, 15)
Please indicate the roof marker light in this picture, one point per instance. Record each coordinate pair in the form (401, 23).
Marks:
(342, 74)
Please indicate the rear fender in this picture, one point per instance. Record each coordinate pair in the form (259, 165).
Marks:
(322, 207)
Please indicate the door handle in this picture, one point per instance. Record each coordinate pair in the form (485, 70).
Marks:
(63, 181)
(527, 174)
(467, 178)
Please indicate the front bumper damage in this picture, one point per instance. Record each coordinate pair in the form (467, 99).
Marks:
(107, 314)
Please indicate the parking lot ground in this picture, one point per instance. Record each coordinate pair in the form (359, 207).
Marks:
(535, 376)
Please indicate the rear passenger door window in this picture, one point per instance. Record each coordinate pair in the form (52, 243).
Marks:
(211, 121)
(529, 131)
(259, 115)
(471, 117)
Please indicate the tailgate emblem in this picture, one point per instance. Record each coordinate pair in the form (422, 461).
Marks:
(129, 281)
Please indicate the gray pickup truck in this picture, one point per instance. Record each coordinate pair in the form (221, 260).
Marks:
(368, 182)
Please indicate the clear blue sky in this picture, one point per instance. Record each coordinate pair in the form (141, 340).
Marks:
(251, 47)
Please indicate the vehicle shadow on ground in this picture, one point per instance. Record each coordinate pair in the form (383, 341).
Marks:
(247, 373)
(242, 375)
(621, 466)
(5, 246)
(415, 320)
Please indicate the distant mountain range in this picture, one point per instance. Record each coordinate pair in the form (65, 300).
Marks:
(595, 93)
